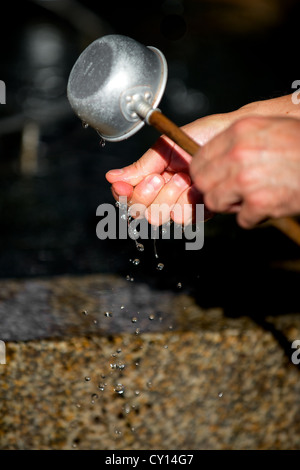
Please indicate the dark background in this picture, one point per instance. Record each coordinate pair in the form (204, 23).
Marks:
(221, 55)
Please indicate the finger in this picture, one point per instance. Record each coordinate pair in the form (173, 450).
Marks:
(164, 155)
(159, 211)
(167, 175)
(184, 210)
(223, 198)
(155, 160)
(145, 192)
(256, 207)
(227, 195)
(120, 188)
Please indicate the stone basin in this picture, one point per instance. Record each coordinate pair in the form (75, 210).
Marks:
(177, 377)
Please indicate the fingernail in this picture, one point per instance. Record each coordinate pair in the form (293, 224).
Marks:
(180, 180)
(115, 172)
(155, 182)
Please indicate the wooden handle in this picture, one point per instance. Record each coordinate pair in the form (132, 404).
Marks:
(165, 126)
(286, 225)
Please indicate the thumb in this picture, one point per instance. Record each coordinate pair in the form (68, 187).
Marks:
(155, 160)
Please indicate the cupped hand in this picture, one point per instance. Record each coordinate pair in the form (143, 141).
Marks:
(160, 179)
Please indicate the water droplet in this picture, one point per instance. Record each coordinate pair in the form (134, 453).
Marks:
(134, 319)
(179, 285)
(122, 307)
(151, 317)
(84, 312)
(140, 246)
(74, 446)
(102, 143)
(149, 384)
(137, 392)
(78, 405)
(94, 398)
(160, 266)
(85, 125)
(120, 389)
(136, 261)
(87, 379)
(108, 314)
(220, 395)
(119, 350)
(137, 331)
(126, 409)
(166, 346)
(95, 322)
(101, 386)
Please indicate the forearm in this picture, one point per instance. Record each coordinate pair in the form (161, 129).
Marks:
(282, 106)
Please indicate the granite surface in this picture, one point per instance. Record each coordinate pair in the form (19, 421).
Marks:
(163, 373)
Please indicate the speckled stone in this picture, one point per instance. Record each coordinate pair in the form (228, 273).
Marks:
(206, 382)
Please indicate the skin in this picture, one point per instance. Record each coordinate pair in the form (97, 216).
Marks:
(249, 164)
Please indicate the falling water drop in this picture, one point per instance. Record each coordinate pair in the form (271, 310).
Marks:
(85, 125)
(120, 389)
(179, 285)
(94, 398)
(108, 314)
(220, 394)
(102, 143)
(160, 266)
(140, 246)
(87, 379)
(84, 312)
(134, 320)
(151, 317)
(136, 261)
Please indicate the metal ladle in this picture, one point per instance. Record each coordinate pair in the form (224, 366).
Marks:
(115, 87)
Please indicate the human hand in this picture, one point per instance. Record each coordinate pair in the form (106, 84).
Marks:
(251, 168)
(161, 176)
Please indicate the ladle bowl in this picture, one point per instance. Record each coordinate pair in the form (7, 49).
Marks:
(107, 80)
